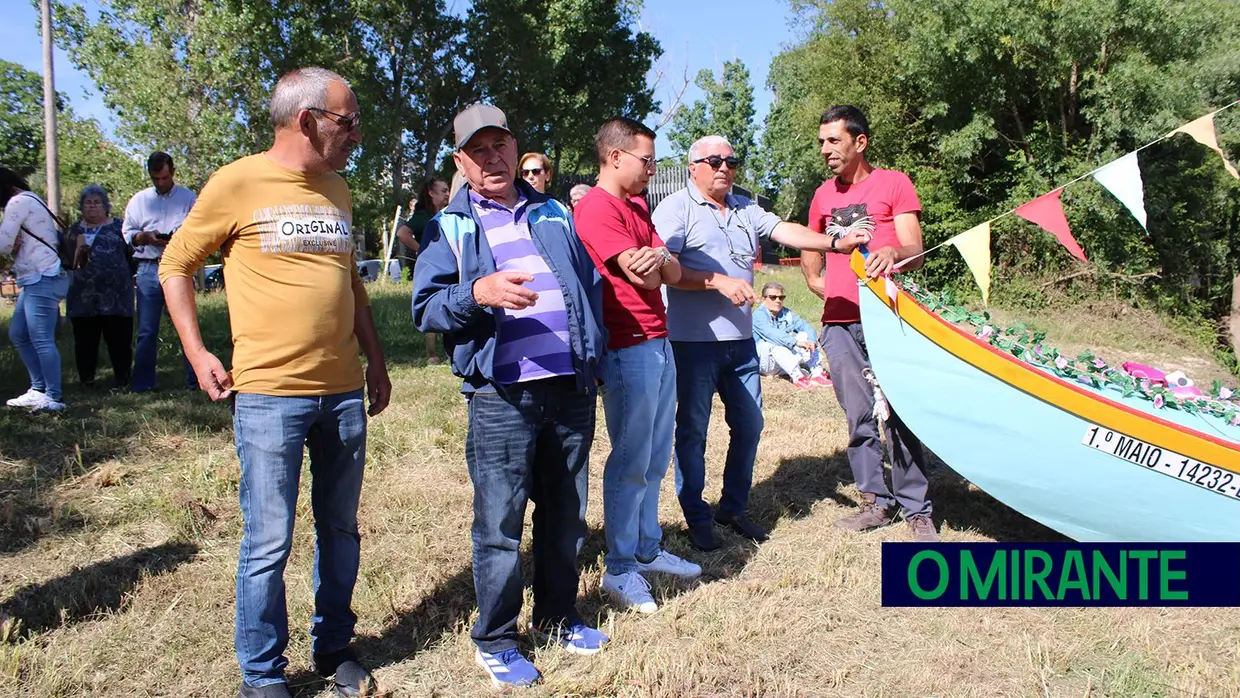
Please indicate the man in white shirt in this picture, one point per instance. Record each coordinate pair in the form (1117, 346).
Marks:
(151, 218)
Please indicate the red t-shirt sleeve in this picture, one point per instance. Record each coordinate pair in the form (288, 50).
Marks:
(601, 226)
(903, 195)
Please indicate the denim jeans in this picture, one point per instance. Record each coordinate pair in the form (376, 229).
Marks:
(528, 441)
(271, 432)
(33, 331)
(702, 368)
(150, 314)
(639, 400)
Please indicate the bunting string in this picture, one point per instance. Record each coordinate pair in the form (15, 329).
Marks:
(1121, 177)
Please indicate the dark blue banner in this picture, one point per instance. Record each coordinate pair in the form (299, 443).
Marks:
(1061, 574)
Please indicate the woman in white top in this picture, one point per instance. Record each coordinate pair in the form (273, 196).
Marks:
(29, 233)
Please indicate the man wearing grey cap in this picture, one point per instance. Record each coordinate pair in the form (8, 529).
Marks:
(506, 280)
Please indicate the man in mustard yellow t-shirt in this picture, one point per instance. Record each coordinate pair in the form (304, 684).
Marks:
(299, 314)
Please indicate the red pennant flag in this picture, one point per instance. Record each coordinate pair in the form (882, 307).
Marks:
(1047, 211)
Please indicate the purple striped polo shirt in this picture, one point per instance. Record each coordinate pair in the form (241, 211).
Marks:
(532, 343)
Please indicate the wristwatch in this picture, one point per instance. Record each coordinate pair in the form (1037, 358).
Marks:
(666, 255)
(833, 241)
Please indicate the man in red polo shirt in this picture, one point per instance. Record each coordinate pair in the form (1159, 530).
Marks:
(639, 391)
(864, 205)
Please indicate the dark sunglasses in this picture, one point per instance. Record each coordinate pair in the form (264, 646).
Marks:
(534, 171)
(776, 298)
(715, 161)
(346, 122)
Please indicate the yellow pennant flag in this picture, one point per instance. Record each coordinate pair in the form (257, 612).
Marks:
(1202, 131)
(974, 246)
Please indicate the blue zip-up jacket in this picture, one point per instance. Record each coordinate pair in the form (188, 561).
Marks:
(457, 254)
(780, 330)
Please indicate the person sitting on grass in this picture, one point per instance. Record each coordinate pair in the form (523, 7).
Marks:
(784, 344)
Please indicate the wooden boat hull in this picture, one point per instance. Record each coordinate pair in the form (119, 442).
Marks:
(1091, 465)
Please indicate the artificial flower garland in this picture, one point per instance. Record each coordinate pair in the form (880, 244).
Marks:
(1086, 368)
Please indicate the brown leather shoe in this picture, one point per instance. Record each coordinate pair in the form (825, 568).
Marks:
(870, 517)
(923, 529)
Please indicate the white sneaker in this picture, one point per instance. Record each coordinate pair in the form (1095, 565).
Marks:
(46, 404)
(631, 590)
(670, 564)
(30, 398)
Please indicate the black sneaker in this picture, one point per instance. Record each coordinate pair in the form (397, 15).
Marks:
(349, 678)
(271, 690)
(744, 526)
(703, 539)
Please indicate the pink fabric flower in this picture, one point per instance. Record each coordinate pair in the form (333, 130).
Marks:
(1159, 401)
(1235, 421)
(1225, 393)
(1099, 363)
(1061, 363)
(986, 332)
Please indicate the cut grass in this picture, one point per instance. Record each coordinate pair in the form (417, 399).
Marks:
(119, 528)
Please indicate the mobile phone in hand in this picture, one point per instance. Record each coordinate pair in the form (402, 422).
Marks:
(163, 236)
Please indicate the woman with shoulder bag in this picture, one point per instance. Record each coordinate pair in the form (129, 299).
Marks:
(30, 233)
(101, 292)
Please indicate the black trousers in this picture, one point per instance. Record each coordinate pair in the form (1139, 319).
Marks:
(117, 332)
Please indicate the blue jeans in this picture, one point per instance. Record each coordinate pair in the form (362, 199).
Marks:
(150, 313)
(731, 368)
(530, 441)
(271, 433)
(33, 331)
(640, 402)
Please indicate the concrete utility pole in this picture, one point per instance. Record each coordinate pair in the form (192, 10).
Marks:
(49, 114)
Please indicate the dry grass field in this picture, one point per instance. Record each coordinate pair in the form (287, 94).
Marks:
(119, 527)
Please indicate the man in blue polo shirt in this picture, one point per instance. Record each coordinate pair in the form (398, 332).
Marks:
(508, 283)
(716, 236)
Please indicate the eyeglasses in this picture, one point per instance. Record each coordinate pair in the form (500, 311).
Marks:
(532, 171)
(346, 122)
(776, 298)
(715, 161)
(648, 161)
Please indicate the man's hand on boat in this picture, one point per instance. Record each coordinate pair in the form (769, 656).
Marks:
(881, 261)
(850, 241)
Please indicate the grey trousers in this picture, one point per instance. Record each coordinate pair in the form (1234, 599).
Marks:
(847, 356)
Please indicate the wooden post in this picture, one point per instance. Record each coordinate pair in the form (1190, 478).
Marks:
(49, 114)
(390, 239)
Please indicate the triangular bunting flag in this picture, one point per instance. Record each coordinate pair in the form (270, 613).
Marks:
(1047, 211)
(1202, 131)
(1122, 178)
(974, 246)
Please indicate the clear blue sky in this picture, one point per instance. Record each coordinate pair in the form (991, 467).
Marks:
(695, 34)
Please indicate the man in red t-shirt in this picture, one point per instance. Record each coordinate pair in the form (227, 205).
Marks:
(639, 391)
(864, 205)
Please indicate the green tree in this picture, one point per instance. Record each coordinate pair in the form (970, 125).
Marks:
(726, 110)
(21, 114)
(988, 103)
(86, 155)
(559, 68)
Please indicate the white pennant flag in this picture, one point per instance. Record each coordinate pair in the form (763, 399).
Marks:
(1122, 178)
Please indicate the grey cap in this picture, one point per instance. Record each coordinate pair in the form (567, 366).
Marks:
(475, 118)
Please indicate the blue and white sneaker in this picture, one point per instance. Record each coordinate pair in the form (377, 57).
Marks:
(507, 668)
(577, 637)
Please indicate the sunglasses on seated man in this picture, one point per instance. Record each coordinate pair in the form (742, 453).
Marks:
(715, 161)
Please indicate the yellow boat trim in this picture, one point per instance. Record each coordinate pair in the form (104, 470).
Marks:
(1078, 401)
